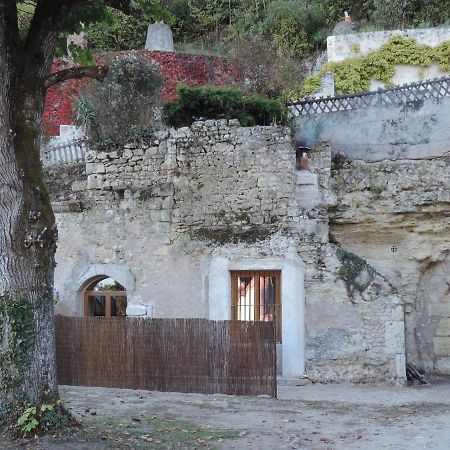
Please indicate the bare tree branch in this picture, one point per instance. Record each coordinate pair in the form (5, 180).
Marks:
(125, 7)
(97, 72)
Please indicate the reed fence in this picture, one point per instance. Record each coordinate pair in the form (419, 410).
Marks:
(177, 355)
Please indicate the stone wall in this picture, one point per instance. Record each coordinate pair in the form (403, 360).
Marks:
(166, 215)
(395, 214)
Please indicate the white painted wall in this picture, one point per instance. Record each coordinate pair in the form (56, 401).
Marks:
(341, 47)
(345, 46)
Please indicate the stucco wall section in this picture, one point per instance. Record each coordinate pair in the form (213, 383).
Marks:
(415, 130)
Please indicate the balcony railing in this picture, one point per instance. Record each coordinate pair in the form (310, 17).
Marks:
(70, 152)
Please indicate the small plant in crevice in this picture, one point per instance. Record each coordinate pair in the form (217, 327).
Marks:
(339, 161)
(356, 273)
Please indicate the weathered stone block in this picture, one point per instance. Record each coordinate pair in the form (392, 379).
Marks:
(94, 182)
(443, 328)
(95, 168)
(441, 346)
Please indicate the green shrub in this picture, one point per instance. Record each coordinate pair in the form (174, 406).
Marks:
(207, 102)
(44, 418)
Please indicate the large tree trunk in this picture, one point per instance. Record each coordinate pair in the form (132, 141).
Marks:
(27, 234)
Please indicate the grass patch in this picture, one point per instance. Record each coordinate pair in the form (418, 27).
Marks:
(156, 433)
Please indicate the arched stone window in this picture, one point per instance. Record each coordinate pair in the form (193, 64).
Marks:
(105, 297)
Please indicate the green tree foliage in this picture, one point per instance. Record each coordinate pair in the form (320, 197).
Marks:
(222, 103)
(184, 27)
(297, 28)
(297, 25)
(117, 31)
(209, 16)
(360, 10)
(406, 13)
(107, 28)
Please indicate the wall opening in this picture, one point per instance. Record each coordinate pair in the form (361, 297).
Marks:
(292, 323)
(256, 296)
(104, 297)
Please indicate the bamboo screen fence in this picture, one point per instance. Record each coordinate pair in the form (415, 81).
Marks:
(178, 355)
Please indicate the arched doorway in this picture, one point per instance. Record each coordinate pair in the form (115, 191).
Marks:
(105, 297)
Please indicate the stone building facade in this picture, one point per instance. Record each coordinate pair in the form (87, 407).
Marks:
(170, 217)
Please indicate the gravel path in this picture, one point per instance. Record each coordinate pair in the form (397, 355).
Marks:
(315, 416)
(334, 416)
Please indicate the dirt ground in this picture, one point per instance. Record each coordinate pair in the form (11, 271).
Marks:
(315, 416)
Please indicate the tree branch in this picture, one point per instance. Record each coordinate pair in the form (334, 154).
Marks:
(45, 27)
(97, 72)
(9, 30)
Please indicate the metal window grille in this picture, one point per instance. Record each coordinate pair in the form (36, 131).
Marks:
(105, 303)
(256, 296)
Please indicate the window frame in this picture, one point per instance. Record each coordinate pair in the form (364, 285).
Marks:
(108, 301)
(257, 274)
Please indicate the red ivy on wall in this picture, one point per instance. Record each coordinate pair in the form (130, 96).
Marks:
(176, 68)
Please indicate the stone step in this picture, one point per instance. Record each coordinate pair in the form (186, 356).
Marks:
(303, 381)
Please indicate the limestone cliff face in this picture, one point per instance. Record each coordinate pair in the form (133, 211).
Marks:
(396, 215)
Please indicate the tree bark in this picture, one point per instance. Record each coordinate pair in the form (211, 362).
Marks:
(27, 224)
(27, 227)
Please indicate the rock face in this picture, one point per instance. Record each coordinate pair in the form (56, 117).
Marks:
(168, 217)
(396, 215)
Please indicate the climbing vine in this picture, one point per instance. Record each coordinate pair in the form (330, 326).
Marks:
(355, 74)
(350, 269)
(17, 339)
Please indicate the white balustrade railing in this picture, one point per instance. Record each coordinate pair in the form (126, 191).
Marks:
(69, 152)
